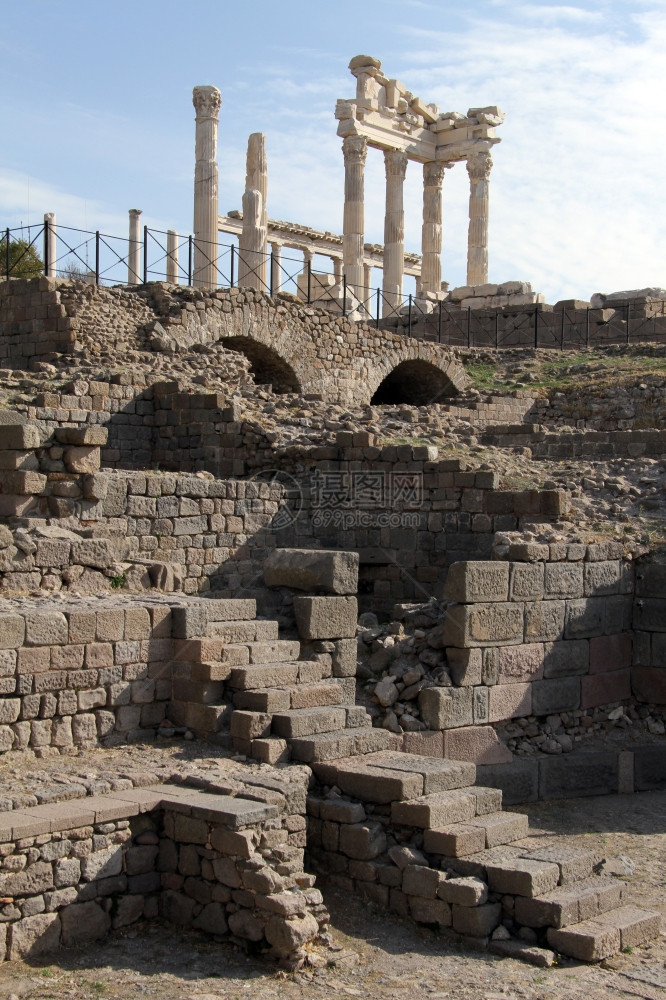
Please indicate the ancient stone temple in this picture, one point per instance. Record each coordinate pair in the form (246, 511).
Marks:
(385, 115)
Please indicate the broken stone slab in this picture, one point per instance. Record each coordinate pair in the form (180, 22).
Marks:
(312, 570)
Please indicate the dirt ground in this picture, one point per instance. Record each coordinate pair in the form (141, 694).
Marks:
(376, 957)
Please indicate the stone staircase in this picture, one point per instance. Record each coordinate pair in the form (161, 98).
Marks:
(462, 862)
(240, 684)
(458, 860)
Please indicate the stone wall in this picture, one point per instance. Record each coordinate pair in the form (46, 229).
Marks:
(297, 347)
(72, 871)
(649, 670)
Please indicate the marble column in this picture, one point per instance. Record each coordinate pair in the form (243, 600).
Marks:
(50, 245)
(355, 150)
(256, 179)
(337, 268)
(134, 255)
(431, 232)
(395, 163)
(276, 268)
(478, 168)
(207, 101)
(366, 297)
(252, 243)
(172, 257)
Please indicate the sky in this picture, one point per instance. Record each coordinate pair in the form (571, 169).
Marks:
(97, 118)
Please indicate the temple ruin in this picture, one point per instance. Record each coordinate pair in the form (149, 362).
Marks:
(383, 591)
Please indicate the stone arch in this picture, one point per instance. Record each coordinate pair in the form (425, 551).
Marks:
(416, 382)
(266, 365)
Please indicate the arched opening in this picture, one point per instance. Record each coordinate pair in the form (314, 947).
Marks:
(415, 382)
(266, 365)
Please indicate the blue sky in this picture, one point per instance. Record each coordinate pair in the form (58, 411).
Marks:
(97, 118)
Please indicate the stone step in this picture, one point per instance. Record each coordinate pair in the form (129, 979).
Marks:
(476, 862)
(388, 777)
(273, 675)
(274, 651)
(212, 650)
(348, 743)
(570, 904)
(308, 722)
(609, 933)
(199, 692)
(501, 828)
(243, 631)
(436, 810)
(522, 877)
(200, 718)
(282, 699)
(575, 863)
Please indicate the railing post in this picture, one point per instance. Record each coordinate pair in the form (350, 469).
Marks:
(309, 281)
(469, 326)
(189, 260)
(409, 316)
(97, 257)
(145, 254)
(231, 285)
(344, 294)
(7, 251)
(439, 323)
(377, 311)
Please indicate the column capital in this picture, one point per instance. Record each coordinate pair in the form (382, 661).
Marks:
(479, 166)
(433, 172)
(207, 102)
(354, 149)
(395, 162)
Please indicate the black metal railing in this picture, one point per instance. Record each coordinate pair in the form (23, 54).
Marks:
(103, 259)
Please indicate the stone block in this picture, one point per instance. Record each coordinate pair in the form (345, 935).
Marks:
(19, 437)
(522, 877)
(563, 579)
(22, 483)
(609, 652)
(602, 578)
(429, 911)
(437, 810)
(544, 621)
(519, 781)
(426, 743)
(46, 628)
(92, 434)
(83, 922)
(468, 891)
(477, 921)
(446, 708)
(465, 666)
(12, 630)
(34, 935)
(649, 684)
(86, 459)
(584, 618)
(651, 578)
(478, 744)
(326, 617)
(476, 582)
(526, 581)
(566, 659)
(602, 689)
(362, 841)
(520, 664)
(455, 841)
(578, 775)
(100, 553)
(472, 625)
(649, 768)
(330, 570)
(589, 941)
(509, 701)
(418, 880)
(343, 658)
(562, 694)
(102, 864)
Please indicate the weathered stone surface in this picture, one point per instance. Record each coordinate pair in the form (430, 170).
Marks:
(446, 708)
(326, 617)
(83, 922)
(34, 936)
(334, 572)
(483, 625)
(476, 582)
